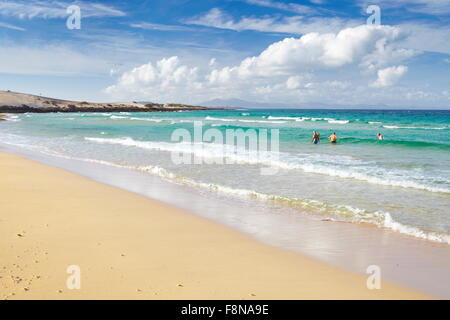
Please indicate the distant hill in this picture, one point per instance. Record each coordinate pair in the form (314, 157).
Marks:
(238, 103)
(14, 102)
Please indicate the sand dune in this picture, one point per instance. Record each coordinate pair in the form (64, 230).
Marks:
(13, 102)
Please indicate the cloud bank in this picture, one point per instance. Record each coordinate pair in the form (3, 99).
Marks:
(294, 68)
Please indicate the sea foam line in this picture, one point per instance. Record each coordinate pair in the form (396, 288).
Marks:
(279, 160)
(208, 118)
(343, 213)
(338, 212)
(410, 127)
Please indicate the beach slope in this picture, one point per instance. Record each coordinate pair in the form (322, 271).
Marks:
(130, 247)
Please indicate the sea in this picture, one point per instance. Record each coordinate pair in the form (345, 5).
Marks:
(401, 182)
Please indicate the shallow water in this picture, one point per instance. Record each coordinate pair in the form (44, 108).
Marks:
(401, 183)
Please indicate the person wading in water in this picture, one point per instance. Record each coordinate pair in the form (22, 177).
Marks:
(315, 137)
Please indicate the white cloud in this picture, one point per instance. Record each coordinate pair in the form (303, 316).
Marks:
(416, 36)
(286, 69)
(49, 60)
(323, 51)
(432, 7)
(389, 76)
(55, 9)
(427, 37)
(216, 18)
(164, 79)
(10, 26)
(160, 27)
(291, 7)
(294, 82)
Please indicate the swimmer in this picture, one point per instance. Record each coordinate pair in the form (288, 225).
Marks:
(315, 137)
(380, 136)
(333, 138)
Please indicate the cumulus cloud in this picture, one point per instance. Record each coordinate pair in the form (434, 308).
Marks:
(55, 9)
(359, 45)
(284, 68)
(419, 36)
(167, 77)
(389, 76)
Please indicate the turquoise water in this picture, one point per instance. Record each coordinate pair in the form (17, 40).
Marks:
(401, 183)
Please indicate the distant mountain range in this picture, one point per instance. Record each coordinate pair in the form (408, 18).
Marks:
(238, 103)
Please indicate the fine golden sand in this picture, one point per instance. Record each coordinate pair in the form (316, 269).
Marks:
(131, 247)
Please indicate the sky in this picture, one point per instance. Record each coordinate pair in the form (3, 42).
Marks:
(190, 51)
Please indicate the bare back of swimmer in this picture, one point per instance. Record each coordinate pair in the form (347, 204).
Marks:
(333, 138)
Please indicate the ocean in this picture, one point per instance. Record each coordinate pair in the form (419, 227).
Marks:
(401, 183)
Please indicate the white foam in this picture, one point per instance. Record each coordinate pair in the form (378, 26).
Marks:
(12, 118)
(336, 212)
(411, 127)
(139, 119)
(339, 212)
(208, 118)
(334, 166)
(339, 121)
(119, 117)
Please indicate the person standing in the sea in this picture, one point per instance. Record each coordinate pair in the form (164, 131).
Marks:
(380, 136)
(333, 138)
(315, 137)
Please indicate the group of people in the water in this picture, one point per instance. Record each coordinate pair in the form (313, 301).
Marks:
(333, 137)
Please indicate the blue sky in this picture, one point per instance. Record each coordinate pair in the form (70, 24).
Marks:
(190, 51)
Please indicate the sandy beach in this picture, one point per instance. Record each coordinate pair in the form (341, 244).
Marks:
(132, 247)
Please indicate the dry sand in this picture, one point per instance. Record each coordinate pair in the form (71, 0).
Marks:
(131, 247)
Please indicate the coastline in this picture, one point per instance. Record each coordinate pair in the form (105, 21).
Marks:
(132, 247)
(15, 102)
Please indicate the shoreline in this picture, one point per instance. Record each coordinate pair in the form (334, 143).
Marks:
(132, 247)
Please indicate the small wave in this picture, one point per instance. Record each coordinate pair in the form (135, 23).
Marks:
(339, 121)
(148, 119)
(301, 119)
(12, 118)
(118, 117)
(137, 119)
(335, 167)
(287, 118)
(402, 143)
(343, 213)
(242, 120)
(412, 127)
